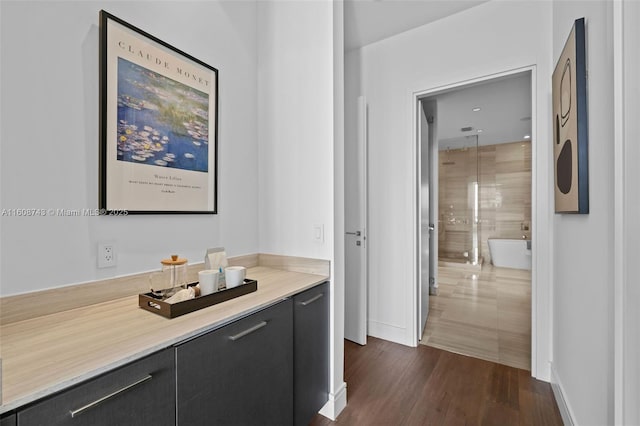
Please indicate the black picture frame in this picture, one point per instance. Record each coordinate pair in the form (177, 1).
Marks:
(570, 125)
(158, 125)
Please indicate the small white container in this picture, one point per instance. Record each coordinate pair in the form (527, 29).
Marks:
(208, 281)
(235, 275)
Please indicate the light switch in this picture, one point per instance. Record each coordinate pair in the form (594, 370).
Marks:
(318, 233)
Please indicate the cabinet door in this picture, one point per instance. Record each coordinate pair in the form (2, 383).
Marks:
(240, 374)
(8, 420)
(141, 393)
(311, 352)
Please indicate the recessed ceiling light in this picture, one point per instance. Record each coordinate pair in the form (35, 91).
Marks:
(479, 130)
(527, 136)
(476, 109)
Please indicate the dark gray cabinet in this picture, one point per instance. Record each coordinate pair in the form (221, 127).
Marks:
(240, 374)
(8, 420)
(268, 368)
(140, 393)
(311, 352)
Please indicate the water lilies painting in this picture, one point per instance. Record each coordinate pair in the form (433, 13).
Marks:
(158, 124)
(158, 116)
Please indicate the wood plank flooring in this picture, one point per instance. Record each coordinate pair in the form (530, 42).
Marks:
(392, 384)
(485, 314)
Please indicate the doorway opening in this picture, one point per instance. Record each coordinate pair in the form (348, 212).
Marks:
(475, 218)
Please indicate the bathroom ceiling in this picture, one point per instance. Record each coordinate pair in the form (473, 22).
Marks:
(368, 21)
(504, 115)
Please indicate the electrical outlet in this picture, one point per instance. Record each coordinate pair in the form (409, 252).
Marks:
(106, 255)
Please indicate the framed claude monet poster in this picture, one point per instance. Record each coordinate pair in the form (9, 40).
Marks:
(158, 121)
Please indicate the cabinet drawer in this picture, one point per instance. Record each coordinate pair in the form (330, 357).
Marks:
(240, 374)
(142, 392)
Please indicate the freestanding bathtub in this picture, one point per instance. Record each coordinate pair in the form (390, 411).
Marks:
(510, 253)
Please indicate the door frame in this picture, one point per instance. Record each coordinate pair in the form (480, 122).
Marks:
(415, 98)
(420, 113)
(626, 382)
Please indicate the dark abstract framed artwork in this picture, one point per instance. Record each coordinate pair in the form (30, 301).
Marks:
(158, 125)
(570, 125)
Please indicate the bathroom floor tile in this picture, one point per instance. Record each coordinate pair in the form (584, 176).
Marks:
(484, 314)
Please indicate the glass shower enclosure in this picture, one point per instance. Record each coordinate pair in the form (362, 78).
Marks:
(458, 200)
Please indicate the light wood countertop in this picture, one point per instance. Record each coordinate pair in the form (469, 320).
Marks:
(49, 353)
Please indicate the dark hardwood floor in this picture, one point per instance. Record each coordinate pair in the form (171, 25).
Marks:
(391, 384)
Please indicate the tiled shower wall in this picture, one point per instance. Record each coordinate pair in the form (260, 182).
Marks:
(503, 175)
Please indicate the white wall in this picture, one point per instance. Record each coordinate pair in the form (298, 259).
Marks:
(583, 244)
(295, 88)
(491, 38)
(49, 139)
(299, 131)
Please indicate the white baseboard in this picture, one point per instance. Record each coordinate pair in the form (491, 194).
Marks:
(558, 392)
(388, 332)
(336, 403)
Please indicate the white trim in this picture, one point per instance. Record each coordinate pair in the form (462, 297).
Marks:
(422, 93)
(535, 224)
(558, 393)
(415, 220)
(619, 292)
(336, 403)
(415, 97)
(363, 187)
(337, 399)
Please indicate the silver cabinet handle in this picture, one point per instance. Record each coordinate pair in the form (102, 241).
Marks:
(313, 299)
(106, 397)
(248, 331)
(356, 233)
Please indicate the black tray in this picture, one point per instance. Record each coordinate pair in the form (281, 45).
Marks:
(152, 303)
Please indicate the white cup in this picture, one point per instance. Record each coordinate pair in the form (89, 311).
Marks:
(208, 281)
(234, 275)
